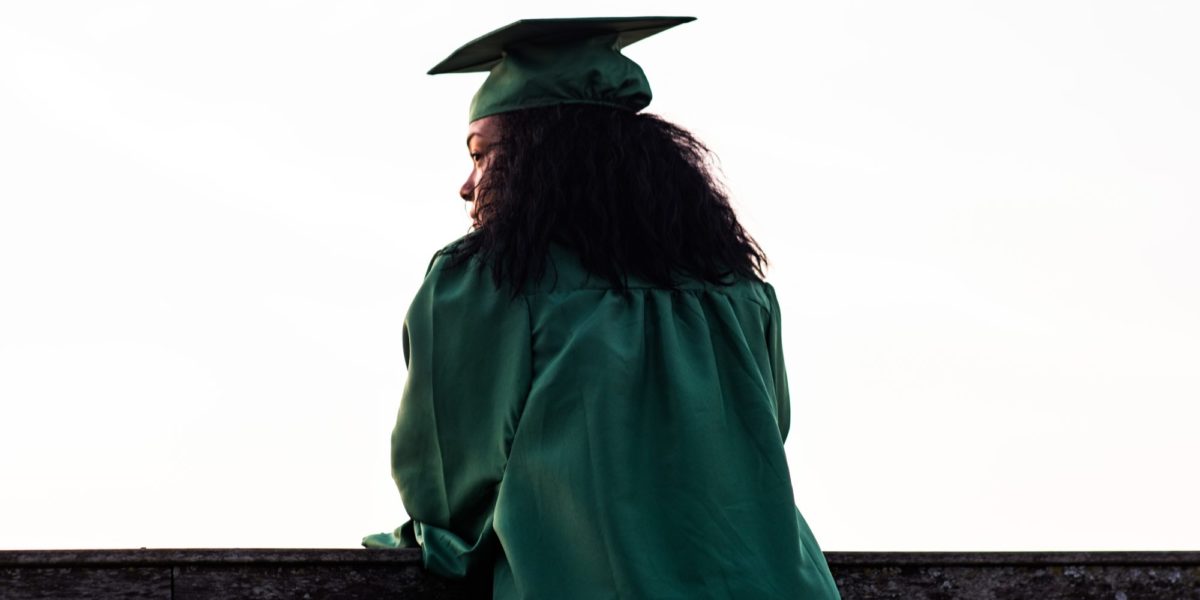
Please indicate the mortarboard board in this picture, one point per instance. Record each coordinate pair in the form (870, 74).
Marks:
(543, 62)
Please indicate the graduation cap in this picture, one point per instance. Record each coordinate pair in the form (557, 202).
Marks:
(544, 62)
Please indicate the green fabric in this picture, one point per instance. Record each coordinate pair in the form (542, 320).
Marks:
(588, 71)
(582, 443)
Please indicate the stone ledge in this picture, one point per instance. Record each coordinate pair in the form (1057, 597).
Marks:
(235, 574)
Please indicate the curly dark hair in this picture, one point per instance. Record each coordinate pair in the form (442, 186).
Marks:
(628, 193)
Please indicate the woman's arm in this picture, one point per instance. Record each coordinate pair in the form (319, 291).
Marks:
(467, 346)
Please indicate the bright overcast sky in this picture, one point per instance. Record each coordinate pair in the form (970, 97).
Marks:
(982, 218)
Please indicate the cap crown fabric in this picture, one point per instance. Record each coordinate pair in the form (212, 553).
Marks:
(545, 62)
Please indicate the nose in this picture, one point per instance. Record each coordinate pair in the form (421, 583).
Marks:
(467, 191)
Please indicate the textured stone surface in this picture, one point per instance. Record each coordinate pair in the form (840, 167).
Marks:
(1018, 576)
(262, 582)
(74, 583)
(237, 574)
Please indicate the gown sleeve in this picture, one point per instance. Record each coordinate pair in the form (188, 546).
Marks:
(783, 406)
(467, 346)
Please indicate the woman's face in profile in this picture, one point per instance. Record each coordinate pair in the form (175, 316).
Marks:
(483, 137)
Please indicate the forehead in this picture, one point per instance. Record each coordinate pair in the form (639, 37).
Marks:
(485, 129)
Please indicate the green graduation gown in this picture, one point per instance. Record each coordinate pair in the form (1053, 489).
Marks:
(577, 442)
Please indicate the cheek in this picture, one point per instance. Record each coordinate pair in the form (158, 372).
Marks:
(479, 175)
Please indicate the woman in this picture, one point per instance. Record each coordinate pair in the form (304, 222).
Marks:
(596, 401)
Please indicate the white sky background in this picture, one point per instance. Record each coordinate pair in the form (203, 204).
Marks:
(982, 219)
